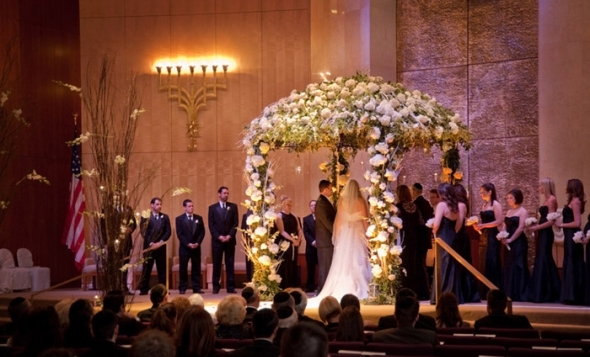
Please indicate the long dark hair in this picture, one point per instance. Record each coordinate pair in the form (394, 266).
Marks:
(447, 195)
(490, 187)
(403, 194)
(575, 188)
(461, 193)
(195, 333)
(447, 311)
(350, 325)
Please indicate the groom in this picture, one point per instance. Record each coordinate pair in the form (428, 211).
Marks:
(325, 213)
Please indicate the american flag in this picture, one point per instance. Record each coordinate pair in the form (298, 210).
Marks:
(73, 235)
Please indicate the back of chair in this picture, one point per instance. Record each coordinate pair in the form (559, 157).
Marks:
(335, 346)
(6, 259)
(468, 350)
(509, 332)
(24, 258)
(396, 349)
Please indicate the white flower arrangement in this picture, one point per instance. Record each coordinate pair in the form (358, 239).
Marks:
(502, 235)
(430, 222)
(530, 221)
(553, 216)
(180, 191)
(578, 236)
(472, 221)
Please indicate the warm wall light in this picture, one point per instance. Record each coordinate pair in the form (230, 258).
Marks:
(193, 97)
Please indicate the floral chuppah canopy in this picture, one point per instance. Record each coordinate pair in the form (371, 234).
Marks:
(346, 114)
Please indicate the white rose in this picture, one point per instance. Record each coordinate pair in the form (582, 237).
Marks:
(326, 113)
(454, 127)
(373, 87)
(396, 250)
(371, 230)
(375, 133)
(254, 250)
(264, 260)
(378, 160)
(373, 201)
(256, 196)
(257, 160)
(269, 199)
(285, 245)
(438, 131)
(370, 106)
(270, 215)
(263, 246)
(385, 120)
(260, 231)
(382, 236)
(274, 248)
(377, 271)
(397, 222)
(383, 148)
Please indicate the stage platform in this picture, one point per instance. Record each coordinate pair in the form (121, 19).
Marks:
(541, 316)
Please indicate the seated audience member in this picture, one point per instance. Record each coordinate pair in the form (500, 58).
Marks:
(300, 300)
(41, 331)
(304, 339)
(129, 325)
(78, 334)
(153, 343)
(287, 318)
(282, 298)
(424, 322)
(252, 297)
(19, 306)
(104, 330)
(406, 314)
(350, 300)
(196, 300)
(497, 317)
(447, 311)
(195, 335)
(329, 311)
(164, 319)
(181, 303)
(350, 326)
(265, 324)
(230, 315)
(158, 295)
(63, 311)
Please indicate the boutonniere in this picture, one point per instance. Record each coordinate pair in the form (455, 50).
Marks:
(228, 208)
(196, 221)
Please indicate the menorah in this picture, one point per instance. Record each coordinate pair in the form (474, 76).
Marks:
(193, 98)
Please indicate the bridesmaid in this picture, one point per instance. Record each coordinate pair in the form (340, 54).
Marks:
(585, 242)
(469, 291)
(572, 285)
(445, 226)
(491, 216)
(289, 230)
(544, 285)
(516, 271)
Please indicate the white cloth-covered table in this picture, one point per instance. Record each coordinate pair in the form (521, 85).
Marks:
(11, 277)
(40, 276)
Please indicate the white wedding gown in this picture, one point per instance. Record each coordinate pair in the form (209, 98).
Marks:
(350, 271)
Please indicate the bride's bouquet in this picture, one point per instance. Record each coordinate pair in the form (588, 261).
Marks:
(503, 235)
(430, 222)
(472, 221)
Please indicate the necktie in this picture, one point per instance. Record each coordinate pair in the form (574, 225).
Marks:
(190, 218)
(223, 206)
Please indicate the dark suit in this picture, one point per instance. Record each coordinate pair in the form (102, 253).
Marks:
(189, 232)
(425, 233)
(325, 213)
(406, 335)
(260, 348)
(424, 322)
(311, 252)
(503, 321)
(154, 230)
(105, 349)
(244, 227)
(222, 223)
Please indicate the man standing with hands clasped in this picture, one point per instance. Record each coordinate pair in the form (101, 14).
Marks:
(223, 223)
(190, 231)
(325, 213)
(156, 231)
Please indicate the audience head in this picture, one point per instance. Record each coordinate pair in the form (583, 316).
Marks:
(265, 323)
(447, 195)
(287, 316)
(282, 298)
(195, 335)
(433, 197)
(252, 296)
(152, 343)
(105, 326)
(231, 310)
(405, 292)
(114, 301)
(406, 310)
(497, 301)
(17, 307)
(196, 300)
(181, 303)
(80, 314)
(325, 187)
(164, 319)
(329, 309)
(575, 188)
(547, 185)
(299, 298)
(158, 294)
(416, 190)
(488, 190)
(304, 339)
(403, 195)
(42, 330)
(350, 326)
(349, 300)
(447, 311)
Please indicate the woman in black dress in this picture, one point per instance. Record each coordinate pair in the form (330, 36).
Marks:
(491, 217)
(585, 241)
(445, 226)
(544, 285)
(572, 284)
(516, 271)
(469, 291)
(290, 231)
(412, 259)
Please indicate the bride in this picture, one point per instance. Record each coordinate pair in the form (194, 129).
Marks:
(350, 270)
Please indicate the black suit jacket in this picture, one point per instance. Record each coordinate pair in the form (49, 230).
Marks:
(424, 322)
(260, 348)
(309, 234)
(503, 321)
(425, 233)
(223, 223)
(189, 231)
(154, 230)
(325, 213)
(104, 349)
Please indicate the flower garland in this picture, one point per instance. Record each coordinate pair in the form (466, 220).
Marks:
(362, 113)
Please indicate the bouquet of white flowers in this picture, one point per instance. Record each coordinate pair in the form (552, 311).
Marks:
(530, 221)
(503, 235)
(430, 222)
(472, 220)
(578, 236)
(553, 216)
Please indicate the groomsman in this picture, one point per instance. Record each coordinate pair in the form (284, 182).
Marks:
(190, 231)
(155, 231)
(223, 223)
(325, 213)
(311, 252)
(427, 212)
